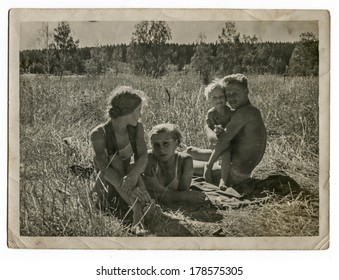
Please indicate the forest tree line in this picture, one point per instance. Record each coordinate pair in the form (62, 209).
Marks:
(150, 52)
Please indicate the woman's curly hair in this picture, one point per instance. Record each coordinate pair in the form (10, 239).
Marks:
(123, 101)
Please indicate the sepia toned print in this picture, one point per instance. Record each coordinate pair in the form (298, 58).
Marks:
(67, 65)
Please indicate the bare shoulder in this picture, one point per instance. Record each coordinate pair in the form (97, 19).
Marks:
(185, 157)
(248, 112)
(98, 139)
(97, 133)
(185, 162)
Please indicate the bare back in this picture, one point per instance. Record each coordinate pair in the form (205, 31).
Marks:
(246, 133)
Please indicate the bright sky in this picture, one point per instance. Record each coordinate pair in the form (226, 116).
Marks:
(115, 32)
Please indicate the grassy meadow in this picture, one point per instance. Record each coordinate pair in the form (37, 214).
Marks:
(55, 202)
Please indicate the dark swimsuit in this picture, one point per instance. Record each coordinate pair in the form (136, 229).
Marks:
(103, 193)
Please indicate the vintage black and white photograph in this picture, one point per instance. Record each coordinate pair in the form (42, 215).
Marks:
(135, 129)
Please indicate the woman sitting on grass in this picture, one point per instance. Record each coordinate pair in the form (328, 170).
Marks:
(168, 174)
(117, 143)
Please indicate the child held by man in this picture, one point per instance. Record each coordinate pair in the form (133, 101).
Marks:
(238, 137)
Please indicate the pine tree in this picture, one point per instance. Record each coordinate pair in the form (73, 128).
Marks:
(64, 45)
(305, 57)
(148, 50)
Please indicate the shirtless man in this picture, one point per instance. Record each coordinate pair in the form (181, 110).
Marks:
(245, 135)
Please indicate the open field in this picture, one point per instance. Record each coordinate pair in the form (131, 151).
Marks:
(55, 202)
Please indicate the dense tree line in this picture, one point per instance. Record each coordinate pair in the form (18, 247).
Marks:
(256, 58)
(150, 52)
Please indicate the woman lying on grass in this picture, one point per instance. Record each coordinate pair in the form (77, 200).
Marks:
(116, 144)
(168, 174)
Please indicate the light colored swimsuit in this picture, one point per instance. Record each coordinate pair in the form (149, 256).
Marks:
(174, 184)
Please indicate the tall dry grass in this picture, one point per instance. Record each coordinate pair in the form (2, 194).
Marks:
(54, 202)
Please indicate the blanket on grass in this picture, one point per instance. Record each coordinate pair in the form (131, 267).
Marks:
(251, 191)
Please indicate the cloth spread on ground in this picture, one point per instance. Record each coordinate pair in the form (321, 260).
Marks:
(251, 191)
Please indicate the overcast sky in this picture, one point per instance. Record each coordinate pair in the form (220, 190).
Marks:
(115, 32)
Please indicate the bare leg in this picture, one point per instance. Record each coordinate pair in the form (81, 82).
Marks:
(199, 154)
(198, 170)
(136, 204)
(225, 169)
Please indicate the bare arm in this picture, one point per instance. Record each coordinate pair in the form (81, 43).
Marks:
(112, 170)
(211, 135)
(183, 193)
(133, 178)
(141, 163)
(113, 176)
(209, 128)
(187, 174)
(238, 121)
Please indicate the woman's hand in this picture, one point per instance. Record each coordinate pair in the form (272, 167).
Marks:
(153, 180)
(142, 194)
(128, 184)
(208, 173)
(218, 129)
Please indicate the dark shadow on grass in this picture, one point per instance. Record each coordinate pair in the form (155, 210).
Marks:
(163, 223)
(205, 212)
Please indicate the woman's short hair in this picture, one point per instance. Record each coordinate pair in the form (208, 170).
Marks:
(123, 101)
(172, 129)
